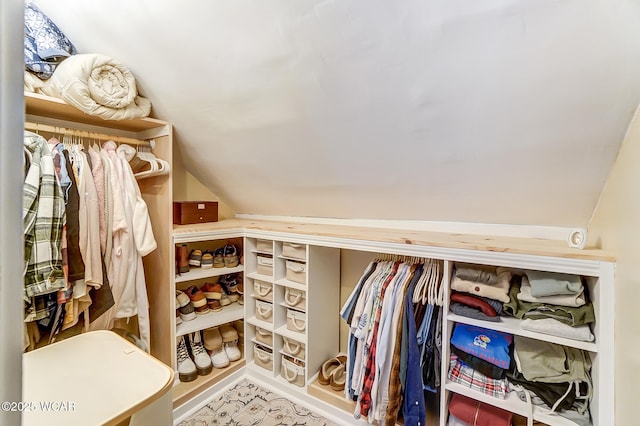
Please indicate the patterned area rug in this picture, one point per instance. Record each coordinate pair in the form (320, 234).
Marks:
(247, 404)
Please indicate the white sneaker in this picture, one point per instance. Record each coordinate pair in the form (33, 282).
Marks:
(200, 356)
(186, 368)
(219, 358)
(232, 351)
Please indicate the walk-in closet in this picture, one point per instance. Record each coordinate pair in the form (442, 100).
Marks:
(319, 213)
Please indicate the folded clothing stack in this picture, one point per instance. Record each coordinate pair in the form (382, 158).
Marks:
(554, 304)
(555, 376)
(480, 291)
(480, 359)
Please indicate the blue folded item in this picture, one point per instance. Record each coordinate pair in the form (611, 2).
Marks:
(45, 46)
(489, 345)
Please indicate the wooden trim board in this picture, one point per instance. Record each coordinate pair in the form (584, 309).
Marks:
(525, 246)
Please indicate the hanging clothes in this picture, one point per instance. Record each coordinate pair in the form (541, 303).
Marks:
(44, 217)
(384, 362)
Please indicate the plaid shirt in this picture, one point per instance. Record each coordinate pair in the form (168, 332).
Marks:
(43, 214)
(460, 372)
(370, 371)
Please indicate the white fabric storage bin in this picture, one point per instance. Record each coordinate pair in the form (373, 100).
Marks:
(262, 358)
(294, 298)
(264, 246)
(265, 265)
(293, 348)
(264, 336)
(294, 250)
(292, 372)
(296, 321)
(262, 290)
(264, 311)
(296, 272)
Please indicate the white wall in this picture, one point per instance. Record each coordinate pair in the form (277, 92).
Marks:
(11, 248)
(493, 111)
(616, 226)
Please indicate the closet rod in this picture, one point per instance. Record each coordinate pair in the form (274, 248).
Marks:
(37, 127)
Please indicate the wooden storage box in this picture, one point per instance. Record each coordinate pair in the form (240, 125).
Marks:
(296, 299)
(189, 212)
(292, 372)
(296, 321)
(293, 348)
(294, 251)
(296, 272)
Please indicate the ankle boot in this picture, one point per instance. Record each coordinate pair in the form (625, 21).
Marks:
(182, 257)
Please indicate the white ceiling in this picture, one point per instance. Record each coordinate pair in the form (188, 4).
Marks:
(494, 111)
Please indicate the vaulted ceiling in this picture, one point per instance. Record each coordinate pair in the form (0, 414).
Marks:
(494, 111)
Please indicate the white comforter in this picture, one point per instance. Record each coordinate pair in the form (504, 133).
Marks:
(97, 85)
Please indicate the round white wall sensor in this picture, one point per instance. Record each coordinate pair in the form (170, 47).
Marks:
(577, 238)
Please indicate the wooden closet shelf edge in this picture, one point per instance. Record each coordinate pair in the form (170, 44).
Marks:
(382, 236)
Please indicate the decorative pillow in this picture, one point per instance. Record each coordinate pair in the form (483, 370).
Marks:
(489, 345)
(45, 46)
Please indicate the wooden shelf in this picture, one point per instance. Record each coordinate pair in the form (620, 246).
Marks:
(331, 397)
(286, 283)
(344, 237)
(511, 403)
(262, 324)
(297, 336)
(47, 106)
(200, 273)
(184, 391)
(228, 313)
(257, 276)
(511, 325)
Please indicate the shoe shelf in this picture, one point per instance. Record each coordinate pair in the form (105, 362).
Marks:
(511, 403)
(228, 314)
(511, 325)
(330, 396)
(200, 273)
(184, 391)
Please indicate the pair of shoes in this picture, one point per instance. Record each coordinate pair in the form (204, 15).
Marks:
(198, 299)
(182, 258)
(192, 358)
(213, 293)
(333, 372)
(223, 350)
(185, 311)
(195, 258)
(218, 258)
(241, 293)
(230, 256)
(230, 285)
(201, 260)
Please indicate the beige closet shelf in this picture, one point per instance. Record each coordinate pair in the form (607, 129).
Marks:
(199, 273)
(512, 326)
(444, 240)
(47, 106)
(228, 314)
(184, 391)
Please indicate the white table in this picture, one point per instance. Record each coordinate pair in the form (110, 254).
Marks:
(94, 378)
